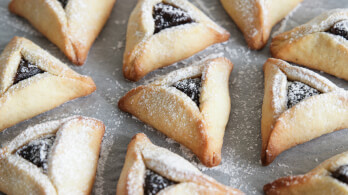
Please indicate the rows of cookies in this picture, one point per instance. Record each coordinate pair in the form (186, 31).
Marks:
(190, 105)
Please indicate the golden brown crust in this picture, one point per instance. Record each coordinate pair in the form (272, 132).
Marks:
(14, 168)
(332, 107)
(215, 114)
(142, 155)
(272, 188)
(186, 127)
(66, 27)
(82, 140)
(310, 45)
(133, 164)
(318, 181)
(77, 140)
(146, 51)
(176, 115)
(251, 22)
(283, 128)
(34, 95)
(275, 87)
(49, 15)
(257, 18)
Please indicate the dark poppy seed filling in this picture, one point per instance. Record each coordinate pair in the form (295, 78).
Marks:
(26, 70)
(340, 28)
(155, 183)
(37, 151)
(298, 91)
(166, 16)
(63, 2)
(341, 174)
(191, 87)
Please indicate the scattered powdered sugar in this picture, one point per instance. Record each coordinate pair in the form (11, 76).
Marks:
(188, 154)
(284, 23)
(120, 22)
(205, 9)
(105, 150)
(240, 166)
(170, 140)
(6, 18)
(120, 44)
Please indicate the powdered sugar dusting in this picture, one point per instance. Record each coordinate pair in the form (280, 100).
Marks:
(163, 161)
(249, 10)
(318, 24)
(37, 151)
(298, 91)
(240, 166)
(280, 93)
(105, 150)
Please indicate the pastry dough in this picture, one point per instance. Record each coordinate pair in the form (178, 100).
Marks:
(54, 84)
(256, 18)
(147, 50)
(72, 28)
(319, 181)
(71, 158)
(283, 127)
(169, 110)
(313, 46)
(187, 179)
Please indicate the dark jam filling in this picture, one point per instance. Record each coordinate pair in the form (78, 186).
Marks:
(298, 91)
(63, 2)
(191, 87)
(340, 28)
(341, 174)
(26, 70)
(37, 151)
(166, 16)
(155, 183)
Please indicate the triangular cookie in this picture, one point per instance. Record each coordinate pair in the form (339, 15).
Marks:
(149, 169)
(256, 18)
(321, 44)
(161, 32)
(330, 177)
(72, 25)
(56, 157)
(190, 105)
(32, 82)
(298, 105)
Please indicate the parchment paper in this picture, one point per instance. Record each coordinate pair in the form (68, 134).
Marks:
(240, 167)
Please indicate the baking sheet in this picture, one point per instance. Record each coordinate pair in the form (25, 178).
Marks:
(240, 166)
